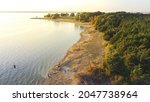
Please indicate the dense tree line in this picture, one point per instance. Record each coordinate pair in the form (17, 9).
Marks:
(56, 15)
(127, 58)
(87, 16)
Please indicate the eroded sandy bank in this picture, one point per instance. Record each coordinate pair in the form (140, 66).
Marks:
(80, 59)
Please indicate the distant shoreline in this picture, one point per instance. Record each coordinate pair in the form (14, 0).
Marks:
(57, 19)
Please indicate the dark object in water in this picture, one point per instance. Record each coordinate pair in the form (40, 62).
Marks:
(14, 66)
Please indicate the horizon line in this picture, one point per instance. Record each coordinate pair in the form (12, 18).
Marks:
(38, 11)
(9, 11)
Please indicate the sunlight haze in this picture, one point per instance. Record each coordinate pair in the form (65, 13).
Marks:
(75, 5)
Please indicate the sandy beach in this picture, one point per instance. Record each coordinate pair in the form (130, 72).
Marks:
(80, 59)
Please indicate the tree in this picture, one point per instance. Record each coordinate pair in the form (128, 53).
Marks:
(54, 16)
(48, 15)
(72, 15)
(64, 14)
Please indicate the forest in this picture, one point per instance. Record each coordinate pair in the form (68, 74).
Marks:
(127, 46)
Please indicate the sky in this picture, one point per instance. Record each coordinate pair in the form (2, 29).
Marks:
(76, 5)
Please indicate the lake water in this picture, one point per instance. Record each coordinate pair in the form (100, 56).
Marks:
(33, 45)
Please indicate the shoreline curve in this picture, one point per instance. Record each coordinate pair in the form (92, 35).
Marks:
(80, 58)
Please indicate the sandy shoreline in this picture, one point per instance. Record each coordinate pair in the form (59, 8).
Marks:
(80, 58)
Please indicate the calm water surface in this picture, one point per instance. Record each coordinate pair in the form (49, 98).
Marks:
(33, 46)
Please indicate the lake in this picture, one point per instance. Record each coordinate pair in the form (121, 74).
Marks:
(33, 46)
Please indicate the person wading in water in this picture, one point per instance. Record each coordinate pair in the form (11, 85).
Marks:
(14, 66)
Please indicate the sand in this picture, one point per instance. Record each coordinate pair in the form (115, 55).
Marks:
(81, 58)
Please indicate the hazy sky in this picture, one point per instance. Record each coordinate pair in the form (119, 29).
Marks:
(76, 5)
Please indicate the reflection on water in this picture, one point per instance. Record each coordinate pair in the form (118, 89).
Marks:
(33, 46)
